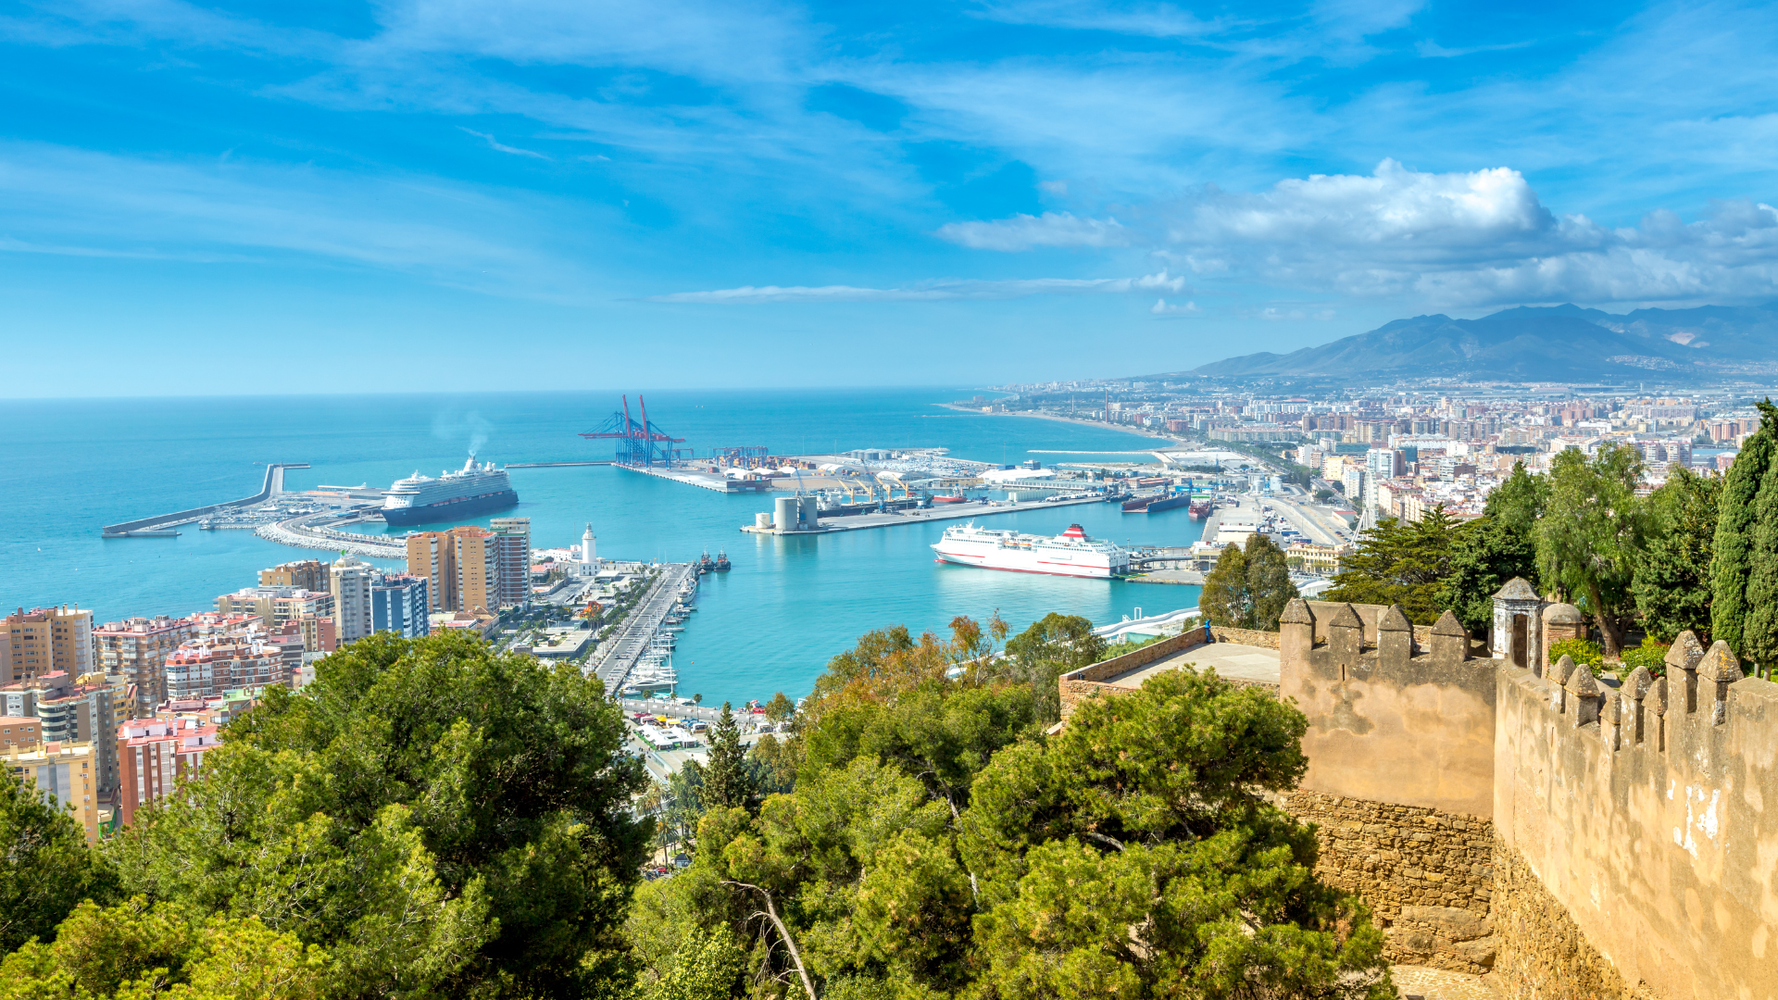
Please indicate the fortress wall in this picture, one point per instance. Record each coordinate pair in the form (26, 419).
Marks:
(1387, 722)
(1651, 824)
(1089, 681)
(1426, 875)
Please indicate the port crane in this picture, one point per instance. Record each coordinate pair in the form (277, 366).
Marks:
(638, 443)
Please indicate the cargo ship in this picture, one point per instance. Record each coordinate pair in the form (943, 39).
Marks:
(1201, 510)
(1071, 553)
(1156, 504)
(473, 489)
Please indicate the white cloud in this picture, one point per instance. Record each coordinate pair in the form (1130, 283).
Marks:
(1162, 307)
(1477, 237)
(929, 291)
(498, 146)
(1023, 232)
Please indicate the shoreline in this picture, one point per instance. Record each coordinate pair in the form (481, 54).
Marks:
(1177, 442)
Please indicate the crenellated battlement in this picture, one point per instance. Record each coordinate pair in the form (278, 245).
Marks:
(1636, 820)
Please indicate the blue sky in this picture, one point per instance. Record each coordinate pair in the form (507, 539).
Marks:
(445, 194)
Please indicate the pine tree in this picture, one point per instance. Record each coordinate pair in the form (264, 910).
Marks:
(1496, 547)
(1268, 583)
(1672, 584)
(726, 779)
(1225, 600)
(1732, 568)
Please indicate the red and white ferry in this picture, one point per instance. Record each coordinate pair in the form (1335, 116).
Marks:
(1071, 553)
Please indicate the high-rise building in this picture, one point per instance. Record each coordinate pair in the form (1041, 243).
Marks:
(309, 574)
(72, 711)
(46, 640)
(138, 649)
(430, 554)
(154, 755)
(350, 578)
(276, 605)
(477, 557)
(398, 604)
(474, 569)
(513, 538)
(319, 634)
(213, 664)
(65, 773)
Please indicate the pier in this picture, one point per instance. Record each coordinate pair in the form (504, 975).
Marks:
(949, 512)
(550, 465)
(163, 525)
(697, 477)
(318, 531)
(617, 656)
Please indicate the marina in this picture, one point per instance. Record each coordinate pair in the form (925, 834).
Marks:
(639, 657)
(163, 525)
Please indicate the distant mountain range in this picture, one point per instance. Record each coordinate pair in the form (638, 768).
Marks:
(1547, 344)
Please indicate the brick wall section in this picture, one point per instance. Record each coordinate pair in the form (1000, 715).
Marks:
(1426, 875)
(1245, 636)
(1543, 955)
(1088, 681)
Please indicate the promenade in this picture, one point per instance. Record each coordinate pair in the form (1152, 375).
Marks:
(617, 656)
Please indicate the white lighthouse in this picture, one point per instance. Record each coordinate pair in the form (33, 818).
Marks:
(589, 552)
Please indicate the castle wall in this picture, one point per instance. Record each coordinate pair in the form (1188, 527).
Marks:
(1655, 835)
(1389, 723)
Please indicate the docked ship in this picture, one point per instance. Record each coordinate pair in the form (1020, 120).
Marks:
(1200, 510)
(1156, 504)
(472, 489)
(1071, 553)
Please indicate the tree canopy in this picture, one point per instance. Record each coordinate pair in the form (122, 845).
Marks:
(1403, 562)
(1248, 588)
(1494, 548)
(441, 819)
(45, 866)
(1590, 539)
(1673, 576)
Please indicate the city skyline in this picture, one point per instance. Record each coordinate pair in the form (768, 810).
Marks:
(241, 200)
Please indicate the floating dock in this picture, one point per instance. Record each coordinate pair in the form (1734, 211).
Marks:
(162, 526)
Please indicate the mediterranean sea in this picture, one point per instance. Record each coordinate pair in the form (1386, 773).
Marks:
(768, 625)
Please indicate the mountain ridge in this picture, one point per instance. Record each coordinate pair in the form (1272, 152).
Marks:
(1533, 343)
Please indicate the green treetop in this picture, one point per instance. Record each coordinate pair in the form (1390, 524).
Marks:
(1673, 578)
(45, 865)
(442, 819)
(1494, 548)
(1592, 533)
(1736, 524)
(1402, 562)
(1248, 588)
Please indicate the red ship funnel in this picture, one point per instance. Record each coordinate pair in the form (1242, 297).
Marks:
(1074, 531)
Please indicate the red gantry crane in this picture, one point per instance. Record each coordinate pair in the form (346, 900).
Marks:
(638, 443)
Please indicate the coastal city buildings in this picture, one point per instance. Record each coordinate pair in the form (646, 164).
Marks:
(22, 732)
(277, 604)
(350, 581)
(399, 604)
(137, 648)
(64, 774)
(45, 640)
(237, 658)
(154, 755)
(309, 574)
(474, 569)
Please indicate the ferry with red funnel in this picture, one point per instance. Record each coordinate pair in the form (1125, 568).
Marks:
(1071, 553)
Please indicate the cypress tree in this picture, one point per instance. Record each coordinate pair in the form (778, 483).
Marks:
(1268, 583)
(1225, 599)
(726, 779)
(1672, 584)
(1759, 629)
(1732, 569)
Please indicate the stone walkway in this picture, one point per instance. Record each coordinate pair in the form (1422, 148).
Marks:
(1435, 984)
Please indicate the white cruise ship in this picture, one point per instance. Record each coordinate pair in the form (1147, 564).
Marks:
(1071, 553)
(471, 490)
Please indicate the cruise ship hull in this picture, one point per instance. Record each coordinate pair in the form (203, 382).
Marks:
(446, 510)
(1013, 561)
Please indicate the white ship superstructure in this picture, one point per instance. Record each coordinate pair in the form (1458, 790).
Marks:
(472, 489)
(1071, 553)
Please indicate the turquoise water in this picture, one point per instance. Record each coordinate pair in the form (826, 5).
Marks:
(770, 624)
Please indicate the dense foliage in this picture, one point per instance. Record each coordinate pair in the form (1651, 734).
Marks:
(1405, 563)
(1495, 548)
(1590, 539)
(436, 819)
(45, 866)
(1672, 583)
(936, 844)
(1248, 588)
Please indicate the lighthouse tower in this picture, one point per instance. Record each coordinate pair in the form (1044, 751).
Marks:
(589, 552)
